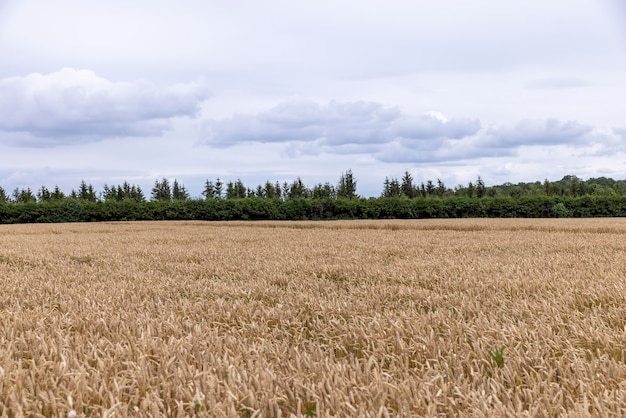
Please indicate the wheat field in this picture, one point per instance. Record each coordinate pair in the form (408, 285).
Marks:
(480, 317)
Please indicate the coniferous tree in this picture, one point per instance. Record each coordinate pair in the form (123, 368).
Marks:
(162, 191)
(43, 195)
(219, 188)
(324, 191)
(108, 193)
(236, 190)
(4, 198)
(137, 194)
(57, 194)
(278, 191)
(209, 190)
(297, 189)
(230, 190)
(386, 188)
(83, 191)
(346, 187)
(441, 188)
(430, 188)
(119, 193)
(422, 189)
(269, 191)
(23, 195)
(470, 189)
(179, 192)
(480, 187)
(392, 188)
(91, 194)
(240, 189)
(408, 189)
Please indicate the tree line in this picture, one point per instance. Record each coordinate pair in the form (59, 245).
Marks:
(400, 198)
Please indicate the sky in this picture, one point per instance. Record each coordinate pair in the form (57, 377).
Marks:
(258, 90)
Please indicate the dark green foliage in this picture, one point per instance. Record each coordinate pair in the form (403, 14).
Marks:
(480, 188)
(162, 191)
(179, 192)
(257, 208)
(43, 194)
(297, 190)
(236, 190)
(392, 188)
(407, 187)
(86, 192)
(324, 191)
(569, 196)
(4, 198)
(122, 192)
(347, 186)
(23, 195)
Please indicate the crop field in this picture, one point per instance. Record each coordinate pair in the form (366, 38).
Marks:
(476, 317)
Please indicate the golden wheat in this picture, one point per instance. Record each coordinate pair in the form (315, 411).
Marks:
(359, 318)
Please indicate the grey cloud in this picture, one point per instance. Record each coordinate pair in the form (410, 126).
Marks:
(302, 120)
(496, 141)
(334, 125)
(443, 150)
(74, 106)
(390, 135)
(536, 132)
(430, 126)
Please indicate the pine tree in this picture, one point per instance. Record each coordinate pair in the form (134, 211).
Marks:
(162, 191)
(23, 195)
(179, 192)
(43, 195)
(430, 188)
(324, 191)
(209, 190)
(57, 194)
(422, 189)
(408, 189)
(297, 189)
(346, 187)
(269, 191)
(137, 194)
(108, 194)
(219, 188)
(392, 188)
(470, 189)
(480, 187)
(441, 188)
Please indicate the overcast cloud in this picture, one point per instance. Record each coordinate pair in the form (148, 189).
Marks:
(112, 91)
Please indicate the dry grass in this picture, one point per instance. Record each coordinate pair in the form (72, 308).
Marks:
(398, 318)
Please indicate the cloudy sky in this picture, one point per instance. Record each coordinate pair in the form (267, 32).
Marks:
(274, 89)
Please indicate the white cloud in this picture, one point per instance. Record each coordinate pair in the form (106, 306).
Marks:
(75, 106)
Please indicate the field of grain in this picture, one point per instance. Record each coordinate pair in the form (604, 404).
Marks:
(347, 318)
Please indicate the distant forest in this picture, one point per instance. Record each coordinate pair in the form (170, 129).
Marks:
(400, 198)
